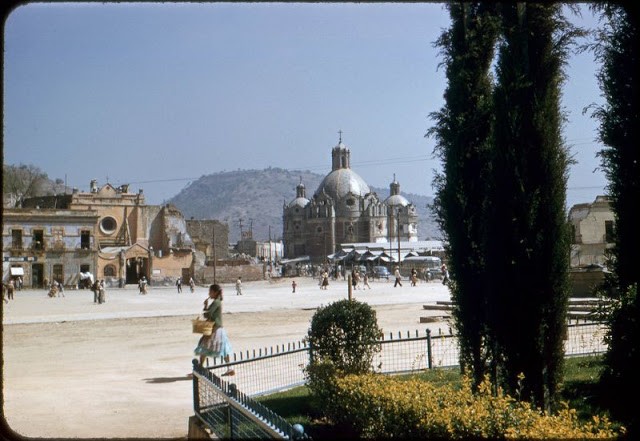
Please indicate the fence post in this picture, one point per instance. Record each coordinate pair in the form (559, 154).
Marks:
(196, 391)
(350, 289)
(429, 359)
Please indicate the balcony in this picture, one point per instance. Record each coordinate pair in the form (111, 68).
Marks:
(58, 245)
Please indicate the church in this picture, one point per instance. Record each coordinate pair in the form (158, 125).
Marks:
(343, 209)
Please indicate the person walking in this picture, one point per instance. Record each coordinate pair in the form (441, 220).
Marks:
(325, 280)
(398, 277)
(96, 290)
(217, 344)
(179, 284)
(293, 286)
(101, 292)
(445, 274)
(10, 290)
(61, 288)
(192, 284)
(239, 286)
(365, 281)
(414, 277)
(354, 279)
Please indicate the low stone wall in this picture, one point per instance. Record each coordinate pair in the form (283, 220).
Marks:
(229, 274)
(584, 282)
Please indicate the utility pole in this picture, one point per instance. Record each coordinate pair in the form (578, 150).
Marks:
(240, 222)
(398, 222)
(269, 245)
(213, 247)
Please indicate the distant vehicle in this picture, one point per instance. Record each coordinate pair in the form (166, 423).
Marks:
(429, 265)
(381, 272)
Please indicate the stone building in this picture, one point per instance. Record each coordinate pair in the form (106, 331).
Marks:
(41, 245)
(108, 231)
(344, 209)
(592, 226)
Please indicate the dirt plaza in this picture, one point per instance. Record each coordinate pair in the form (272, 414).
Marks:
(74, 368)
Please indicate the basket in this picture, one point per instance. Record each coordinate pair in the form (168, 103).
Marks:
(201, 326)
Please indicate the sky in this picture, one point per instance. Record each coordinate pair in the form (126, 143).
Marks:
(157, 95)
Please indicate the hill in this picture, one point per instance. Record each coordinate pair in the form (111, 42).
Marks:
(253, 200)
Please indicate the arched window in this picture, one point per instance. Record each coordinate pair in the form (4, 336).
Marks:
(109, 271)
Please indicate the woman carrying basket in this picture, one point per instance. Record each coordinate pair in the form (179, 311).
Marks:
(217, 344)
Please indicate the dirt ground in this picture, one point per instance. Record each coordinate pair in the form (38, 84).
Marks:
(73, 368)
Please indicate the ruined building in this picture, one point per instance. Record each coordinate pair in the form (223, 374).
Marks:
(108, 232)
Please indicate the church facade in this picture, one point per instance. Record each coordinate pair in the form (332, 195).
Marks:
(343, 209)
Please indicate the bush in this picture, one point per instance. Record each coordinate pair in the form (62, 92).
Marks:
(384, 407)
(344, 339)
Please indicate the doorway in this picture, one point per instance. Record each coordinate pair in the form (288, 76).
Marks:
(37, 275)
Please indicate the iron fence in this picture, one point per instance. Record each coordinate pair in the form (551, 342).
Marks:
(233, 414)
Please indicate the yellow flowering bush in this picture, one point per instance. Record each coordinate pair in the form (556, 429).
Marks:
(384, 407)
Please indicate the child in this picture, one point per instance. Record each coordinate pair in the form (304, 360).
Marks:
(293, 285)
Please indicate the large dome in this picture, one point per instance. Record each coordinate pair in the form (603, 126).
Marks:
(341, 182)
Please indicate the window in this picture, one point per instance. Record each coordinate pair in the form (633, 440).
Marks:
(319, 229)
(85, 240)
(16, 239)
(109, 271)
(608, 231)
(108, 225)
(350, 202)
(38, 239)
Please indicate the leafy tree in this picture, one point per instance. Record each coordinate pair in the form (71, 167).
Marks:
(616, 49)
(463, 133)
(528, 241)
(22, 181)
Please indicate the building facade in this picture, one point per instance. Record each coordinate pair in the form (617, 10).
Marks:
(344, 209)
(592, 228)
(108, 232)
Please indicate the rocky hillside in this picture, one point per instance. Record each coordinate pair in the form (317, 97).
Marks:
(253, 200)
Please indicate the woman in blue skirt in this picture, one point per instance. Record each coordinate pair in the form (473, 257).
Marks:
(217, 344)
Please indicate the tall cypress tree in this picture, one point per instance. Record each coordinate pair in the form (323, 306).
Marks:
(528, 238)
(463, 135)
(619, 118)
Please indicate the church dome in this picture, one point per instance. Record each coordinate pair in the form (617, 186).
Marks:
(299, 202)
(397, 199)
(339, 183)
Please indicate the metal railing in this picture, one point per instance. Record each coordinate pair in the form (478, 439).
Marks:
(230, 413)
(268, 370)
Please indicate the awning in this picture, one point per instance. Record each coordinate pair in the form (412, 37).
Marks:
(17, 271)
(296, 260)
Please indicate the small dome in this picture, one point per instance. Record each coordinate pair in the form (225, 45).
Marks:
(339, 183)
(397, 199)
(300, 202)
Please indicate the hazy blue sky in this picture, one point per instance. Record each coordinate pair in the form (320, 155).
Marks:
(157, 95)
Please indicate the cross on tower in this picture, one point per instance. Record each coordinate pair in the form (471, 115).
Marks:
(340, 133)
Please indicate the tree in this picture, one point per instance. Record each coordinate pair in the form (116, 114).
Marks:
(22, 181)
(616, 49)
(528, 241)
(463, 133)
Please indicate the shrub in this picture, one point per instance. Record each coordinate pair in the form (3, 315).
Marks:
(384, 407)
(344, 339)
